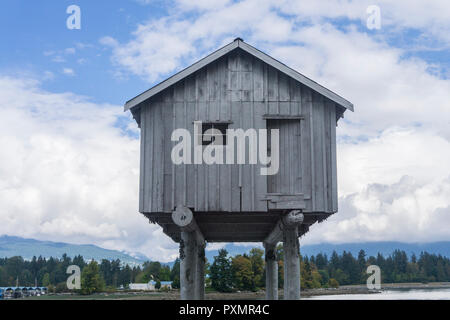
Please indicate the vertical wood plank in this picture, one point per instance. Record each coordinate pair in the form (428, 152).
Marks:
(246, 86)
(307, 148)
(162, 156)
(201, 81)
(224, 101)
(318, 151)
(235, 190)
(142, 181)
(247, 168)
(260, 182)
(258, 80)
(284, 87)
(295, 90)
(149, 156)
(178, 91)
(272, 84)
(190, 88)
(191, 169)
(327, 146)
(168, 129)
(180, 187)
(334, 192)
(284, 108)
(213, 82)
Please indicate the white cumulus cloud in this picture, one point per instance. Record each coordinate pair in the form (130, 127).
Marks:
(69, 173)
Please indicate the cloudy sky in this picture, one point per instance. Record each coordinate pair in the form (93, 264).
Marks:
(69, 155)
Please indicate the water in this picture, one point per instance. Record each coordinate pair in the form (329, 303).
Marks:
(400, 294)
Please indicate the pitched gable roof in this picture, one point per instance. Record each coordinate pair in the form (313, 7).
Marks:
(238, 43)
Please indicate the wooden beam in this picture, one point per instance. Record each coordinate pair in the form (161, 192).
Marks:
(291, 248)
(188, 261)
(271, 271)
(282, 117)
(291, 220)
(184, 218)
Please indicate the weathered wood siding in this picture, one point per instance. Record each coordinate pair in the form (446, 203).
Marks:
(239, 89)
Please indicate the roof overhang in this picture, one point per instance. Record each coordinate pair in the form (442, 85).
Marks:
(238, 43)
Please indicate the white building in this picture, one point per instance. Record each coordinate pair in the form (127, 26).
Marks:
(150, 286)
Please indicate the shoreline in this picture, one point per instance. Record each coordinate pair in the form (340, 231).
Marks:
(362, 289)
(260, 295)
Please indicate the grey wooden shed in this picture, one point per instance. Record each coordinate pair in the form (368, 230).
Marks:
(236, 87)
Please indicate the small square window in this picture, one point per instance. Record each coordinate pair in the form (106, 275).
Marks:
(208, 137)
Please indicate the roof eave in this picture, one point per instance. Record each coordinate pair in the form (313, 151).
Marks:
(180, 75)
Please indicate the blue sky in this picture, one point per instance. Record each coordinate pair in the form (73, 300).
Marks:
(70, 161)
(37, 41)
(36, 36)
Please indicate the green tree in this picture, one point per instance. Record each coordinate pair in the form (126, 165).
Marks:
(316, 278)
(321, 261)
(325, 277)
(165, 273)
(26, 278)
(243, 276)
(14, 266)
(125, 276)
(151, 271)
(46, 280)
(221, 273)
(362, 265)
(350, 267)
(341, 277)
(3, 277)
(175, 274)
(333, 283)
(91, 279)
(309, 276)
(257, 261)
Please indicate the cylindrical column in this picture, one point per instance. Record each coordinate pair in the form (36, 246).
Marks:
(291, 249)
(188, 259)
(271, 271)
(200, 272)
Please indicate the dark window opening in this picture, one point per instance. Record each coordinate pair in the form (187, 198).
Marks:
(209, 137)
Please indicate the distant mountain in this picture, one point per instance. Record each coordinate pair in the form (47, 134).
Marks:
(371, 248)
(27, 248)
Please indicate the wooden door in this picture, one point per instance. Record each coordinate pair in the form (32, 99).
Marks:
(285, 187)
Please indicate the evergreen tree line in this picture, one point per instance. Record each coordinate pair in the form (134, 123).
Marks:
(226, 273)
(246, 272)
(95, 277)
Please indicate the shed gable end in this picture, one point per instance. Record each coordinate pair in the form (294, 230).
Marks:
(238, 44)
(236, 77)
